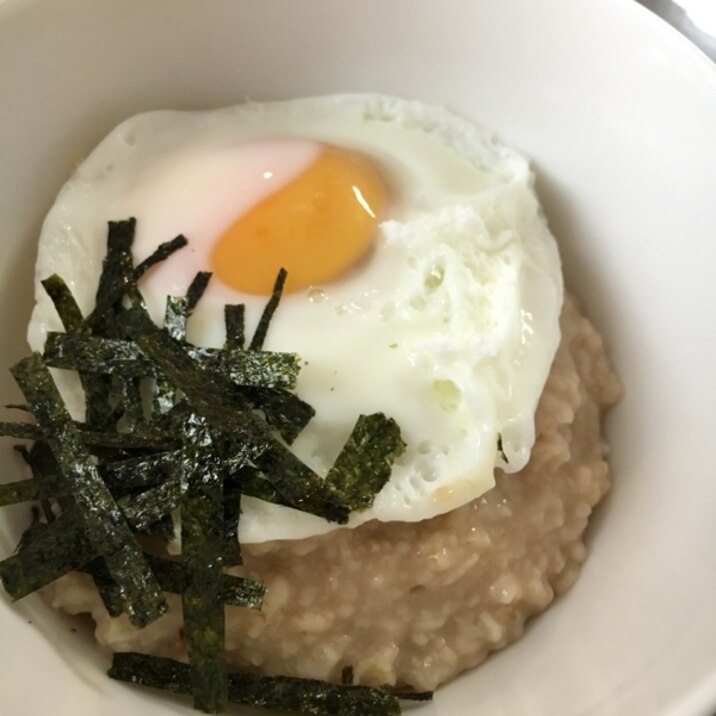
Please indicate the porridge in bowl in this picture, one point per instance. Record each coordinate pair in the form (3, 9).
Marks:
(386, 480)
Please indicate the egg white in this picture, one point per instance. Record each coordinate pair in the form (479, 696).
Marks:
(449, 325)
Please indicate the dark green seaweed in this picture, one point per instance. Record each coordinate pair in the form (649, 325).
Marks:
(202, 546)
(108, 589)
(117, 278)
(172, 576)
(131, 404)
(241, 592)
(196, 290)
(283, 410)
(260, 369)
(217, 429)
(303, 696)
(126, 476)
(125, 441)
(257, 341)
(234, 319)
(299, 486)
(23, 431)
(53, 551)
(235, 591)
(99, 412)
(179, 308)
(128, 441)
(157, 672)
(106, 528)
(44, 485)
(308, 696)
(116, 281)
(105, 356)
(176, 315)
(212, 396)
(44, 471)
(161, 253)
(366, 460)
(33, 532)
(232, 514)
(92, 354)
(65, 304)
(148, 507)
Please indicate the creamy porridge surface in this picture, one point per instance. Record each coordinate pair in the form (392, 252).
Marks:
(415, 604)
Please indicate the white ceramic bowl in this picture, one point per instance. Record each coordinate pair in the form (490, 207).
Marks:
(619, 116)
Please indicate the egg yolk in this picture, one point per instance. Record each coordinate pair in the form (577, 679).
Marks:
(316, 227)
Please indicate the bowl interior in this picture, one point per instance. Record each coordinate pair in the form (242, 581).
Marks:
(617, 113)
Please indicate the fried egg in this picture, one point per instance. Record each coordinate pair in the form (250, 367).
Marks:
(423, 280)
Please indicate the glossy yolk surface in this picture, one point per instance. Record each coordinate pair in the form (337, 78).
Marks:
(316, 227)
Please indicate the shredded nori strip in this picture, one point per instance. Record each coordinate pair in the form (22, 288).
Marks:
(92, 354)
(304, 696)
(309, 696)
(105, 525)
(172, 576)
(65, 304)
(196, 290)
(128, 441)
(32, 532)
(176, 315)
(104, 356)
(44, 470)
(299, 486)
(161, 253)
(206, 391)
(179, 308)
(117, 278)
(145, 509)
(23, 431)
(235, 591)
(202, 547)
(40, 479)
(234, 319)
(108, 589)
(210, 436)
(259, 369)
(241, 592)
(50, 553)
(257, 341)
(125, 476)
(232, 515)
(286, 411)
(500, 449)
(131, 403)
(365, 462)
(22, 491)
(135, 440)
